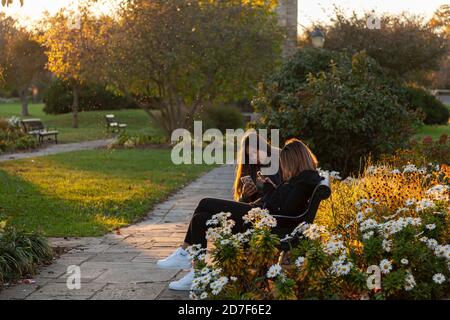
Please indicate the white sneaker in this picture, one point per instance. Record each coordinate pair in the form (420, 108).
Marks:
(184, 284)
(177, 260)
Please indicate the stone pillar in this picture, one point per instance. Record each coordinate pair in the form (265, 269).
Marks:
(287, 11)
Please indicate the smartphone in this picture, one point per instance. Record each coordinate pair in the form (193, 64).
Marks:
(247, 180)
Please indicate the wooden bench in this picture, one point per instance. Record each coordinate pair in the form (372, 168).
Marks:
(321, 193)
(113, 125)
(36, 128)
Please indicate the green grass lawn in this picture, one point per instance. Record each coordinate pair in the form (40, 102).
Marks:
(91, 124)
(434, 131)
(88, 193)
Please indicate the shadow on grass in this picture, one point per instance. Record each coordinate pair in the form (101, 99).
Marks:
(88, 193)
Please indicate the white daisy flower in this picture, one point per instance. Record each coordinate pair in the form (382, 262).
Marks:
(193, 295)
(368, 235)
(439, 278)
(360, 217)
(299, 262)
(424, 204)
(387, 245)
(386, 266)
(409, 168)
(204, 271)
(410, 282)
(404, 261)
(430, 226)
(274, 271)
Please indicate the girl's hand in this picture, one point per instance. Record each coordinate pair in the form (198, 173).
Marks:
(249, 189)
(262, 179)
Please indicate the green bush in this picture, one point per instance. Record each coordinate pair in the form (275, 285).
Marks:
(435, 111)
(346, 113)
(21, 253)
(294, 74)
(222, 117)
(58, 99)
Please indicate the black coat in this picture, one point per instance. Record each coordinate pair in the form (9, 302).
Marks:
(291, 197)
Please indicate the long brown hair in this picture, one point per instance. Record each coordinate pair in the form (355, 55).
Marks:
(243, 165)
(295, 158)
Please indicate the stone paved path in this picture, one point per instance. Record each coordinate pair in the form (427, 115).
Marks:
(123, 266)
(58, 148)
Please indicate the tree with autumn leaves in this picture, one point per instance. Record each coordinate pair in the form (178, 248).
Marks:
(70, 40)
(174, 57)
(22, 61)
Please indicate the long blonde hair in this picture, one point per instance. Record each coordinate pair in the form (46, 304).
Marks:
(243, 164)
(295, 158)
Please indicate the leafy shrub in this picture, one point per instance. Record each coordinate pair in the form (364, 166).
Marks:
(293, 75)
(21, 253)
(406, 236)
(435, 111)
(345, 113)
(131, 141)
(58, 99)
(12, 137)
(222, 117)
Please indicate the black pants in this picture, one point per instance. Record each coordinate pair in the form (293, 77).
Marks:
(208, 207)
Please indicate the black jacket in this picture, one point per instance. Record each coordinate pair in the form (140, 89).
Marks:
(291, 198)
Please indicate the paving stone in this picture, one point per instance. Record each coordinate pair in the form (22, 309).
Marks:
(140, 291)
(118, 265)
(114, 257)
(137, 275)
(20, 292)
(59, 291)
(54, 271)
(123, 266)
(98, 248)
(87, 274)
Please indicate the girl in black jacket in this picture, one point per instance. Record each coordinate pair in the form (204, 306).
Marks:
(300, 177)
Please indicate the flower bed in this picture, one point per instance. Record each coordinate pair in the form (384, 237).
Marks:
(13, 138)
(384, 235)
(138, 140)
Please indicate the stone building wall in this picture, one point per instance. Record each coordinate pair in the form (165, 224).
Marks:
(287, 11)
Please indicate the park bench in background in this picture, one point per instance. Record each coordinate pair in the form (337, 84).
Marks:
(113, 125)
(36, 128)
(321, 193)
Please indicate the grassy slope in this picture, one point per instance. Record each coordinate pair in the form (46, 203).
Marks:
(87, 193)
(92, 124)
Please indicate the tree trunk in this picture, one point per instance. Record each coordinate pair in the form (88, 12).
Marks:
(24, 100)
(75, 106)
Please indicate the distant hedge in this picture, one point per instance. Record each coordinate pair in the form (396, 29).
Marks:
(435, 111)
(222, 117)
(58, 99)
